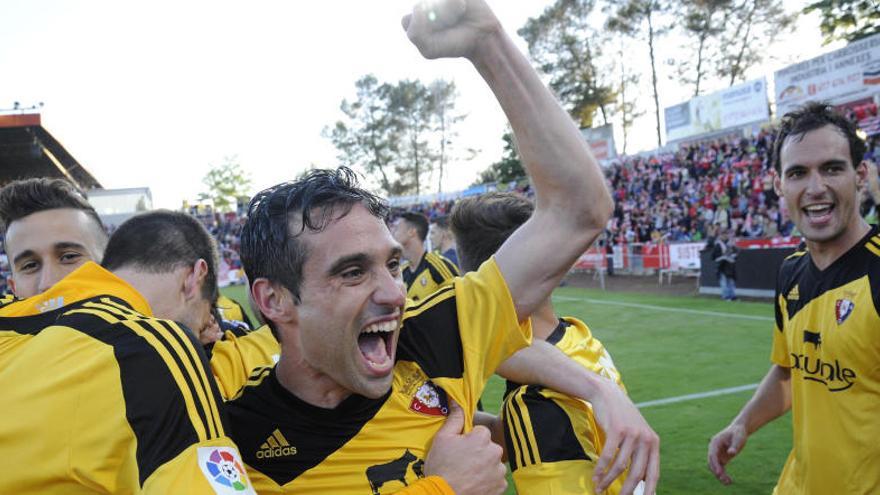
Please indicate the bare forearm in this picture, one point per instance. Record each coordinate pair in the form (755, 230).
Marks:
(771, 400)
(555, 154)
(544, 364)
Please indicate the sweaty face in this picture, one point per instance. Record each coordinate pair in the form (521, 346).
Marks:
(351, 303)
(820, 185)
(45, 246)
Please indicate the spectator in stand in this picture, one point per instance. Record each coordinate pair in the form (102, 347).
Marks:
(724, 254)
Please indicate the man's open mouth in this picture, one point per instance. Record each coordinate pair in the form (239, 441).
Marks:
(818, 213)
(375, 343)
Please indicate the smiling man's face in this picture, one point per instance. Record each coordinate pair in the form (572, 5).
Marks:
(820, 184)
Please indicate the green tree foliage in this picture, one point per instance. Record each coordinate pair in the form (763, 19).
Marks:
(703, 22)
(412, 107)
(443, 94)
(627, 91)
(226, 183)
(751, 26)
(638, 19)
(848, 20)
(367, 138)
(509, 168)
(568, 49)
(398, 134)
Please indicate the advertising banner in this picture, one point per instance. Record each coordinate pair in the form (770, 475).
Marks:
(685, 255)
(849, 73)
(738, 105)
(601, 140)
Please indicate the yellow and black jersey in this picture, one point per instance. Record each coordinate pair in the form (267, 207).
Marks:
(828, 334)
(99, 397)
(6, 299)
(449, 346)
(231, 310)
(239, 354)
(552, 439)
(432, 273)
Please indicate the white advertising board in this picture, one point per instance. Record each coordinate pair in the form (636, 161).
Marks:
(843, 75)
(738, 105)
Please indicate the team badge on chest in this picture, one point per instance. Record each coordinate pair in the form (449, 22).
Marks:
(842, 309)
(430, 400)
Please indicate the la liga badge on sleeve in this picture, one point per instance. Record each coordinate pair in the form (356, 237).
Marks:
(224, 471)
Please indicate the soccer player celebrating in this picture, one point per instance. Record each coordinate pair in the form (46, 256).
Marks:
(51, 230)
(826, 343)
(425, 272)
(99, 396)
(363, 382)
(551, 438)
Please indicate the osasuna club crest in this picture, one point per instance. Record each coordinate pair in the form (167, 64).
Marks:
(842, 309)
(431, 400)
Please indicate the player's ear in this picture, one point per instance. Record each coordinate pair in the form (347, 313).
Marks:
(861, 173)
(777, 183)
(274, 301)
(195, 278)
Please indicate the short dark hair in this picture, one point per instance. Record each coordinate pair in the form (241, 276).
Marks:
(21, 198)
(481, 224)
(416, 221)
(809, 117)
(269, 247)
(161, 241)
(441, 221)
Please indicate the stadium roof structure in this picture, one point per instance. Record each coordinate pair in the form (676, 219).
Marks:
(28, 150)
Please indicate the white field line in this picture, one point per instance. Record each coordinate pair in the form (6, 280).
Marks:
(701, 395)
(662, 308)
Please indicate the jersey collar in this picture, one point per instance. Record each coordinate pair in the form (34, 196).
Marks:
(88, 281)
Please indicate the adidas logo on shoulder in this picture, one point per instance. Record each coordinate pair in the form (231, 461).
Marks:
(276, 446)
(793, 294)
(50, 304)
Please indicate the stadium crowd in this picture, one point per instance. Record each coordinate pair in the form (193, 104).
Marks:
(372, 355)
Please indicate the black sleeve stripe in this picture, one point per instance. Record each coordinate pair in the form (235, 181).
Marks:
(107, 317)
(436, 297)
(520, 421)
(513, 440)
(431, 337)
(257, 376)
(122, 315)
(156, 408)
(450, 266)
(121, 307)
(554, 435)
(198, 415)
(199, 364)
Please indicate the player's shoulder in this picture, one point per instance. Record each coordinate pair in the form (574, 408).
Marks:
(872, 245)
(447, 268)
(794, 264)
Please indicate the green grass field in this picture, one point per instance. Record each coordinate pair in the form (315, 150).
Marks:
(682, 346)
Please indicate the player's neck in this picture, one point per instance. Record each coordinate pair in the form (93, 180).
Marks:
(824, 254)
(308, 384)
(414, 252)
(544, 321)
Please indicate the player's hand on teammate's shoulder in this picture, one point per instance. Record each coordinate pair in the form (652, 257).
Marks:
(723, 447)
(450, 28)
(629, 442)
(470, 462)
